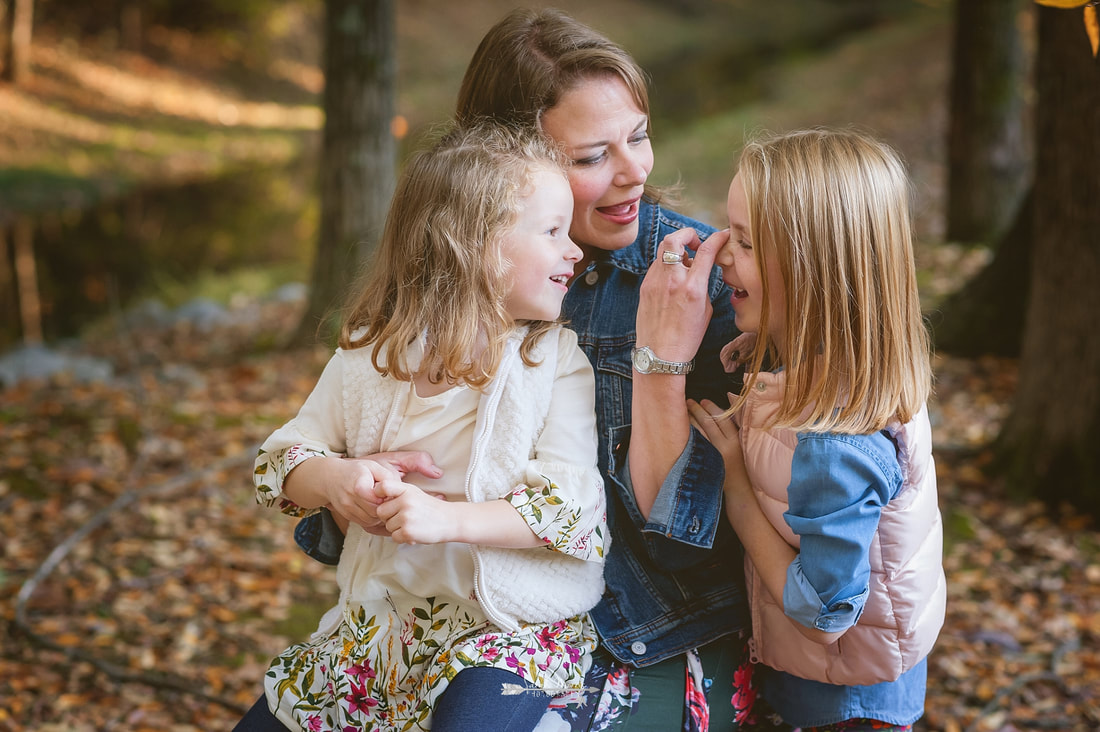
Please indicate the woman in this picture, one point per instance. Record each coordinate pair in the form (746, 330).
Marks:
(672, 616)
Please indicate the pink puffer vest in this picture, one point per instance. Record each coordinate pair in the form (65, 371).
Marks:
(908, 591)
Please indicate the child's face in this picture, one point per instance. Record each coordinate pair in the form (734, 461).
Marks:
(540, 250)
(741, 273)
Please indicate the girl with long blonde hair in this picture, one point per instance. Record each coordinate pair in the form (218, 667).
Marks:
(829, 481)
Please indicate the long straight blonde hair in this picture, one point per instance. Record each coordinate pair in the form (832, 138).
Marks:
(440, 269)
(830, 209)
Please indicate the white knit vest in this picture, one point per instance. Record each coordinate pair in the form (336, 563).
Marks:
(536, 585)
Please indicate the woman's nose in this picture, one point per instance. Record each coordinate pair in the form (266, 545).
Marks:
(632, 171)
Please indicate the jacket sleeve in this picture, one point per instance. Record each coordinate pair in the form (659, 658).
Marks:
(562, 498)
(687, 515)
(836, 496)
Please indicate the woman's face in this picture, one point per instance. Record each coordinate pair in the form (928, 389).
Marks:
(604, 132)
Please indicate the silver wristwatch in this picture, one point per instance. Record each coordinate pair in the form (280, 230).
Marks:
(646, 362)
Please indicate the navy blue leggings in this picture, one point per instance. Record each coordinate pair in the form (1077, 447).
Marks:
(473, 702)
(259, 719)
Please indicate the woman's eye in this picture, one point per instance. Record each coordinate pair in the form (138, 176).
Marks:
(639, 138)
(591, 160)
(553, 231)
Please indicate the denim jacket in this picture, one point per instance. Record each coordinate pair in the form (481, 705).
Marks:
(676, 581)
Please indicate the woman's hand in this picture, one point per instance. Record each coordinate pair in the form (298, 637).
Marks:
(675, 307)
(673, 313)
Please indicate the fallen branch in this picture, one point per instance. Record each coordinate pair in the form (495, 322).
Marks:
(157, 679)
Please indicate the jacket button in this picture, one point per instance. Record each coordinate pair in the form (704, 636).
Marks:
(637, 648)
(760, 386)
(592, 277)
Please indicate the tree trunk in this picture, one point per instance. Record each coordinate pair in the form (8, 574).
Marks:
(26, 274)
(1048, 443)
(988, 155)
(131, 27)
(987, 315)
(17, 65)
(358, 152)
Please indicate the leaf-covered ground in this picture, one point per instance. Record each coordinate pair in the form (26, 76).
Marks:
(142, 589)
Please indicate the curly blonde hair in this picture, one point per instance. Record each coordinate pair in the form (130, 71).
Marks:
(440, 270)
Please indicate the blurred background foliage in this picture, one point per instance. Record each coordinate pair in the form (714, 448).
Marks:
(167, 149)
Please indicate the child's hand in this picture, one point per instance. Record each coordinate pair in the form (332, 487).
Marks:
(352, 496)
(412, 516)
(352, 493)
(720, 431)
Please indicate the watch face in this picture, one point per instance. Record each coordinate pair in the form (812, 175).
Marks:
(642, 360)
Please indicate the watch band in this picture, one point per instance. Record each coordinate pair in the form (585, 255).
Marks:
(646, 362)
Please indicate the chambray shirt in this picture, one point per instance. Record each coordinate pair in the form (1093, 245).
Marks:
(839, 486)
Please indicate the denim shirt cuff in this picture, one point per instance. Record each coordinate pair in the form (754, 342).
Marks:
(802, 604)
(320, 537)
(688, 507)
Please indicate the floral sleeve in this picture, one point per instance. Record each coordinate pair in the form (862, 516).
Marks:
(272, 469)
(317, 430)
(564, 522)
(562, 494)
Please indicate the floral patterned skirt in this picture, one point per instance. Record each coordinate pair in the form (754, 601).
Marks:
(705, 690)
(384, 667)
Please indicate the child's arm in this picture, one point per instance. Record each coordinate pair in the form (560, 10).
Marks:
(345, 485)
(301, 466)
(769, 551)
(412, 516)
(560, 504)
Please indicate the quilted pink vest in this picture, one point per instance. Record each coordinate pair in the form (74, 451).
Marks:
(908, 591)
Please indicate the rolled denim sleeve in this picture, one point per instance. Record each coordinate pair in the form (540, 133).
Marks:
(685, 519)
(687, 508)
(839, 486)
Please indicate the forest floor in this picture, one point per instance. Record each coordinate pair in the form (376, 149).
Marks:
(142, 589)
